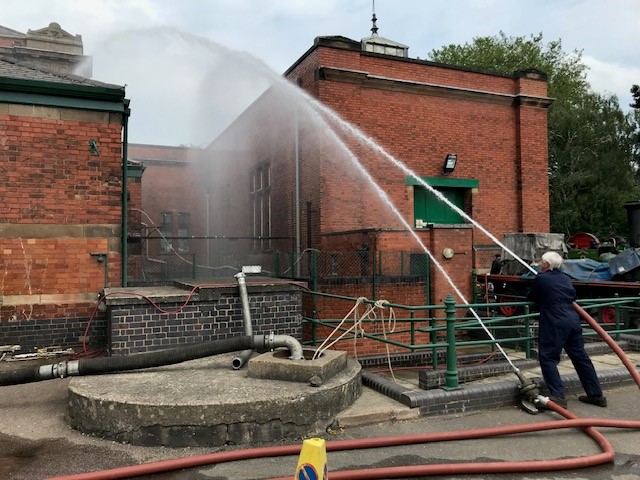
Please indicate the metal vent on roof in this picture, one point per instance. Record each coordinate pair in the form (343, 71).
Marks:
(378, 44)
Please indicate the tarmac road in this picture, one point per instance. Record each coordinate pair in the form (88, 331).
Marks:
(36, 443)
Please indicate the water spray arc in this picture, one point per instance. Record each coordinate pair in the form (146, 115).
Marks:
(435, 261)
(527, 385)
(529, 388)
(376, 147)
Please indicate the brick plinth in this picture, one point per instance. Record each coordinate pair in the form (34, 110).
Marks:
(176, 318)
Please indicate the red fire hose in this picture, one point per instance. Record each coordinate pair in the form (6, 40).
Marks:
(405, 471)
(609, 341)
(571, 421)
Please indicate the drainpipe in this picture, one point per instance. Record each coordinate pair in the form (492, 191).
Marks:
(208, 230)
(297, 188)
(125, 186)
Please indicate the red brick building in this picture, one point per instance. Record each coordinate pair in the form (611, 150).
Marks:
(278, 179)
(280, 166)
(61, 153)
(172, 204)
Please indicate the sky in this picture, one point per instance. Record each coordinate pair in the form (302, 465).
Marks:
(191, 66)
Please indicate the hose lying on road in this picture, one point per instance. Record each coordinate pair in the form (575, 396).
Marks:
(94, 366)
(607, 455)
(403, 471)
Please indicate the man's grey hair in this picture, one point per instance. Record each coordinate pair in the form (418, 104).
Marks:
(554, 259)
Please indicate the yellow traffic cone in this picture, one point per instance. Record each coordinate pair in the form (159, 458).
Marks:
(312, 464)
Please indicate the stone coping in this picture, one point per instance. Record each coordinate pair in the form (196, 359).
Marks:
(181, 291)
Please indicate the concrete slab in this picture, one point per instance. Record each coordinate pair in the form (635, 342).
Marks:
(277, 366)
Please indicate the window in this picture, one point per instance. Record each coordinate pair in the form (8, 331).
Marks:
(166, 230)
(261, 205)
(183, 231)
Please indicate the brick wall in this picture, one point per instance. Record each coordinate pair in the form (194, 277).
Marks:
(140, 328)
(62, 203)
(55, 325)
(500, 143)
(418, 112)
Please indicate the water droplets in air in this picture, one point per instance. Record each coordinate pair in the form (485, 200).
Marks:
(186, 90)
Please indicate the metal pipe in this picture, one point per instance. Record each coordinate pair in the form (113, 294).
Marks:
(271, 342)
(208, 230)
(244, 356)
(125, 203)
(296, 128)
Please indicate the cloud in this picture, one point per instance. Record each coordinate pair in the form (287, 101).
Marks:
(608, 77)
(278, 32)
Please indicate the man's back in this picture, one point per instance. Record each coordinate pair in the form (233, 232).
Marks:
(554, 294)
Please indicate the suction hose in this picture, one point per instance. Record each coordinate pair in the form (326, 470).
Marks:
(94, 366)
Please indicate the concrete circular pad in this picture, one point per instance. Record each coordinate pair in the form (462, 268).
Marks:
(206, 403)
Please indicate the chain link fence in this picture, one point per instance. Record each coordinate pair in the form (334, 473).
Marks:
(164, 259)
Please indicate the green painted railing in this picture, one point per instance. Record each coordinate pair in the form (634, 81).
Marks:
(444, 325)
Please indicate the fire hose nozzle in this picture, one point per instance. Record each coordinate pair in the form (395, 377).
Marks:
(529, 393)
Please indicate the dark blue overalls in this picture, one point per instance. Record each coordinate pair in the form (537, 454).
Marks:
(560, 328)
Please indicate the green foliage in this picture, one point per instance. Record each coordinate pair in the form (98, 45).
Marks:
(593, 144)
(592, 172)
(635, 92)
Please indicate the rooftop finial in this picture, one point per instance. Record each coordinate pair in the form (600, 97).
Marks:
(374, 28)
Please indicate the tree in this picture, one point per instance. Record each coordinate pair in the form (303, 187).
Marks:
(635, 91)
(590, 174)
(592, 159)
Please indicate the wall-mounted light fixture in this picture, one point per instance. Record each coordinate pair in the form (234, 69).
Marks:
(449, 163)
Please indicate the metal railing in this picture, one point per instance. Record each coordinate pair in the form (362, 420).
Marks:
(450, 327)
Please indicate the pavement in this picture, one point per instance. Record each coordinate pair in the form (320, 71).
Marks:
(36, 441)
(404, 399)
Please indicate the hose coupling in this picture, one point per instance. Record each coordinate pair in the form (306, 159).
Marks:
(58, 370)
(53, 370)
(529, 391)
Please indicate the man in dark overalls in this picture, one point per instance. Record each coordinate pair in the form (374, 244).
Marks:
(559, 328)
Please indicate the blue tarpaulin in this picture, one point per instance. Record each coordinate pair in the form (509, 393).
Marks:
(582, 269)
(624, 262)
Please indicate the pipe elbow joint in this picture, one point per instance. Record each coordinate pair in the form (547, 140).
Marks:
(272, 341)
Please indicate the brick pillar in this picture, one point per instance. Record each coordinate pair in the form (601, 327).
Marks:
(532, 152)
(457, 267)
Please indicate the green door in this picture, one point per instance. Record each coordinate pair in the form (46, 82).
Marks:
(430, 209)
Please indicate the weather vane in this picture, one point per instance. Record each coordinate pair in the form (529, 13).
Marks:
(374, 29)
